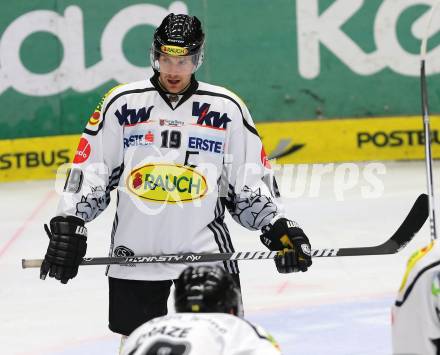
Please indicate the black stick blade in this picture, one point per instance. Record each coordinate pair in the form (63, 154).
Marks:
(413, 222)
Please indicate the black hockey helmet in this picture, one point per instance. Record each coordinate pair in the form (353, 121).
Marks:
(178, 36)
(206, 289)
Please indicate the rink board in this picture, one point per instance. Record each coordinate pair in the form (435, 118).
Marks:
(360, 139)
(365, 139)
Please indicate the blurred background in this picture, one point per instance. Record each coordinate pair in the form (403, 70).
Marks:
(328, 83)
(342, 76)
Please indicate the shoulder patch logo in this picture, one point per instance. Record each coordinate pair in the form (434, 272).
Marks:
(95, 121)
(83, 151)
(264, 158)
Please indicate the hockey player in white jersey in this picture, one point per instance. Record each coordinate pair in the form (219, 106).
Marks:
(416, 312)
(210, 302)
(179, 152)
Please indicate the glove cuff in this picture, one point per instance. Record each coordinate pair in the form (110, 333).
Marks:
(69, 225)
(282, 227)
(268, 226)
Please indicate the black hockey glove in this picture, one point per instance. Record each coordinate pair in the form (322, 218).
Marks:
(67, 247)
(293, 245)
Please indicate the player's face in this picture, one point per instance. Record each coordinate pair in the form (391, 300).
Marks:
(175, 72)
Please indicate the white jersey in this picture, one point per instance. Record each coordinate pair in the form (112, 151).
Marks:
(416, 313)
(177, 162)
(200, 334)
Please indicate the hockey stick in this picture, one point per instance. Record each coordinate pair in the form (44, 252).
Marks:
(427, 129)
(410, 226)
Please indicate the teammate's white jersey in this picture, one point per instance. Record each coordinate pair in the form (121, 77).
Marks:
(200, 334)
(416, 313)
(177, 162)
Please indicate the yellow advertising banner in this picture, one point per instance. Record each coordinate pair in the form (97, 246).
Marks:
(35, 158)
(360, 139)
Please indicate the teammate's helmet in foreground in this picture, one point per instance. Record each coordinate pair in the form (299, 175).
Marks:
(178, 36)
(206, 289)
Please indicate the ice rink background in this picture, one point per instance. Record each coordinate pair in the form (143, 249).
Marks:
(341, 306)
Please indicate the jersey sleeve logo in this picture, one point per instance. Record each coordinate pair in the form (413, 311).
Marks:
(83, 151)
(264, 159)
(95, 122)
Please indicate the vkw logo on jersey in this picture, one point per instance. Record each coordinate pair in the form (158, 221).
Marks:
(168, 183)
(127, 116)
(209, 118)
(134, 140)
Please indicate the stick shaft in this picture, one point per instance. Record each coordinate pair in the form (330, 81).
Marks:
(428, 151)
(212, 257)
(426, 125)
(409, 227)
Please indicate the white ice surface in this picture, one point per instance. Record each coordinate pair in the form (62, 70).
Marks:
(341, 306)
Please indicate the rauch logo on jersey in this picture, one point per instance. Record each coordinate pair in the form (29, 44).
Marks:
(83, 151)
(209, 118)
(127, 116)
(168, 183)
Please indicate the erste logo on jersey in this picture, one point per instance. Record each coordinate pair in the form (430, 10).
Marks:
(208, 118)
(83, 151)
(128, 116)
(168, 183)
(134, 140)
(205, 143)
